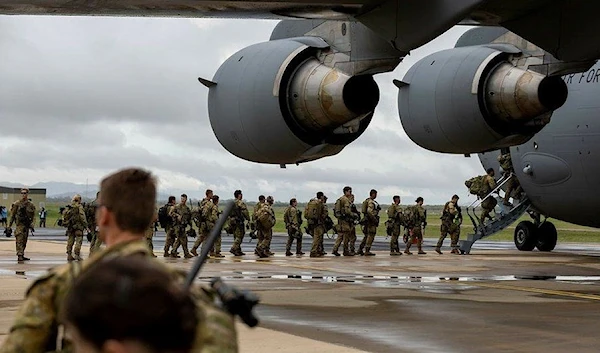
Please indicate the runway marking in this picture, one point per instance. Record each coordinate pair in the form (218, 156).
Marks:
(560, 293)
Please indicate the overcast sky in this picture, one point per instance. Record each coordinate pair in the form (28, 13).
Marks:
(81, 97)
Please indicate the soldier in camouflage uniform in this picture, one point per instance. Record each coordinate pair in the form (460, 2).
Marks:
(168, 227)
(370, 209)
(451, 220)
(488, 205)
(36, 327)
(211, 220)
(150, 234)
(343, 212)
(316, 223)
(293, 222)
(76, 223)
(395, 225)
(182, 218)
(90, 216)
(254, 224)
(199, 216)
(512, 184)
(352, 239)
(415, 218)
(237, 221)
(22, 213)
(265, 221)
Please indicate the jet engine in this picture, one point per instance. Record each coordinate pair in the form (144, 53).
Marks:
(276, 102)
(473, 99)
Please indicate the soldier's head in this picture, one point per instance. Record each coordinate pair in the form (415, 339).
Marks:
(126, 205)
(490, 172)
(76, 198)
(396, 199)
(124, 320)
(209, 194)
(347, 190)
(455, 198)
(419, 201)
(270, 200)
(373, 194)
(183, 198)
(24, 193)
(320, 195)
(238, 194)
(261, 198)
(215, 199)
(293, 202)
(171, 200)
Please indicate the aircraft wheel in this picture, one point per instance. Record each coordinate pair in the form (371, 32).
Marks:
(526, 236)
(547, 237)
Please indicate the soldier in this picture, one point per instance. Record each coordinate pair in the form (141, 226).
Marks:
(182, 218)
(37, 328)
(488, 185)
(199, 215)
(211, 220)
(265, 221)
(74, 220)
(370, 210)
(394, 225)
(143, 284)
(293, 222)
(451, 220)
(237, 222)
(22, 213)
(90, 217)
(150, 234)
(352, 239)
(253, 222)
(414, 217)
(43, 214)
(343, 212)
(513, 183)
(315, 214)
(166, 222)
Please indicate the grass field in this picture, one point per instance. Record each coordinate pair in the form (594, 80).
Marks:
(567, 232)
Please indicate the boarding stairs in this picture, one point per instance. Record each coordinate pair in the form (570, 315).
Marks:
(503, 219)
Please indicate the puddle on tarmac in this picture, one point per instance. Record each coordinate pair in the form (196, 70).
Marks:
(29, 274)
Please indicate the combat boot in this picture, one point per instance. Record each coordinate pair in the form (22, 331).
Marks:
(270, 253)
(421, 252)
(300, 253)
(368, 252)
(175, 255)
(219, 255)
(70, 257)
(455, 251)
(360, 252)
(20, 258)
(288, 253)
(437, 250)
(348, 253)
(188, 256)
(194, 252)
(166, 254)
(395, 253)
(77, 257)
(407, 250)
(336, 253)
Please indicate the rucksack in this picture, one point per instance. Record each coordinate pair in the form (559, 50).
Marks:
(410, 216)
(365, 206)
(163, 216)
(337, 209)
(71, 217)
(90, 213)
(475, 185)
(265, 218)
(310, 211)
(286, 215)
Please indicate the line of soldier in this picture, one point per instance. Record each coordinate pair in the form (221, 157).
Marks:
(176, 218)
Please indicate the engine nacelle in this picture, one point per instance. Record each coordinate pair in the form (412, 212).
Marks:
(275, 102)
(472, 99)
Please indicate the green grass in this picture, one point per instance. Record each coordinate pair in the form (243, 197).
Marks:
(567, 232)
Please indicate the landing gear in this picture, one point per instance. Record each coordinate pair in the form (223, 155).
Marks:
(526, 236)
(547, 237)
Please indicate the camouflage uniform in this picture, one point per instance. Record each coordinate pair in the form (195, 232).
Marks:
(254, 225)
(90, 215)
(395, 219)
(239, 216)
(22, 213)
(451, 220)
(169, 234)
(182, 217)
(413, 227)
(211, 221)
(352, 237)
(264, 247)
(292, 220)
(513, 184)
(488, 204)
(76, 224)
(317, 228)
(345, 218)
(371, 212)
(198, 216)
(36, 327)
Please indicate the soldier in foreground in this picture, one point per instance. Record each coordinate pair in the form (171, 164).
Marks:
(22, 213)
(394, 225)
(265, 221)
(127, 325)
(293, 221)
(37, 328)
(75, 221)
(451, 220)
(370, 209)
(342, 210)
(237, 221)
(315, 214)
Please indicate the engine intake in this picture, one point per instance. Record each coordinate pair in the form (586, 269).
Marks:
(275, 102)
(472, 99)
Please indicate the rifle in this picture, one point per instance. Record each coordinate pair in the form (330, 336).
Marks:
(237, 302)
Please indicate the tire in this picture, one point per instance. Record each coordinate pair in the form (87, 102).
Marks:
(547, 237)
(526, 236)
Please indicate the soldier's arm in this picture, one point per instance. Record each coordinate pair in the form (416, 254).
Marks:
(371, 211)
(346, 209)
(82, 217)
(245, 213)
(34, 328)
(13, 215)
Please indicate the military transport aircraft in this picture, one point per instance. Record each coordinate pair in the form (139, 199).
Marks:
(524, 81)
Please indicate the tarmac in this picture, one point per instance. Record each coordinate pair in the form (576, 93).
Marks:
(496, 299)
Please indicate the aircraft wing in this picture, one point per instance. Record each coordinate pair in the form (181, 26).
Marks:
(565, 28)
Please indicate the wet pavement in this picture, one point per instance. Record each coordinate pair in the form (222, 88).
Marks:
(497, 299)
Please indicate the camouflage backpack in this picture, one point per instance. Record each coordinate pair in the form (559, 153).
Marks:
(475, 185)
(411, 215)
(337, 209)
(71, 218)
(310, 211)
(265, 218)
(287, 217)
